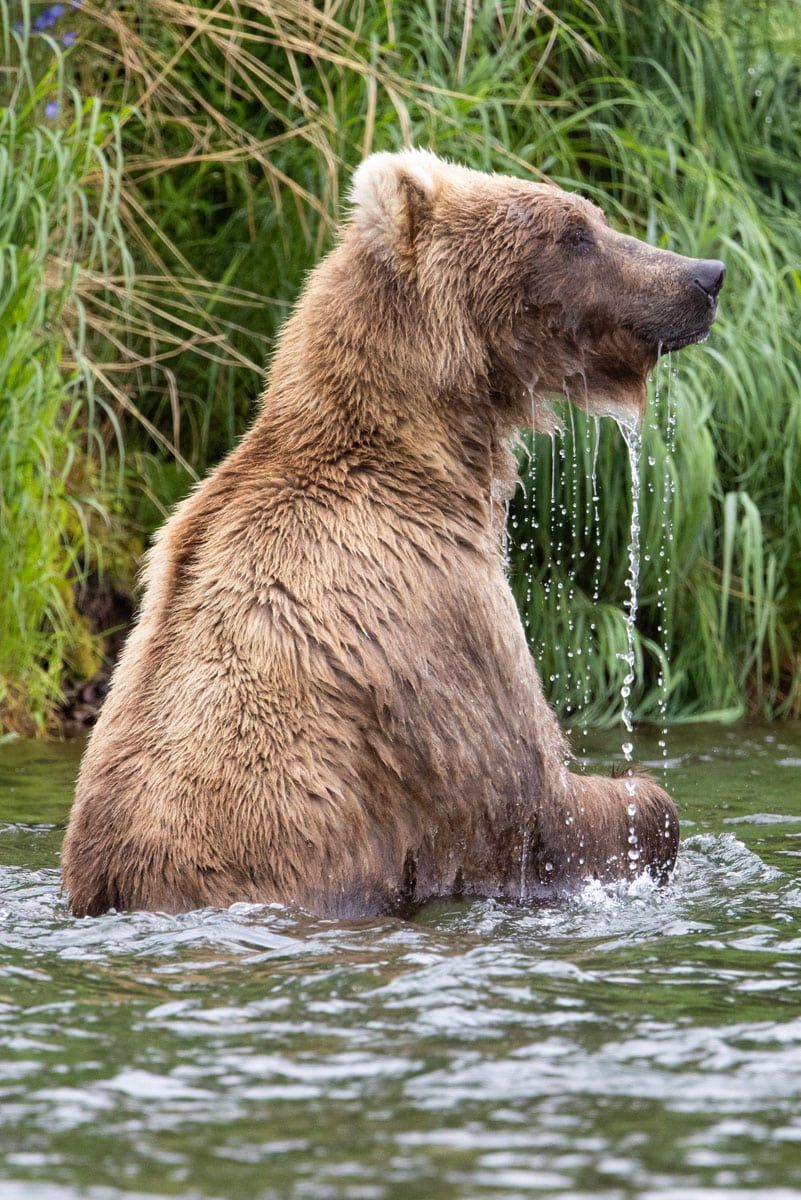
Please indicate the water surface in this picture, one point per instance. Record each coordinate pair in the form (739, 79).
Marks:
(630, 1043)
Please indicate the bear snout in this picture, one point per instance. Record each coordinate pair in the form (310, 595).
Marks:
(708, 277)
(695, 306)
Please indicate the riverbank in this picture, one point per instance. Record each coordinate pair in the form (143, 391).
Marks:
(169, 189)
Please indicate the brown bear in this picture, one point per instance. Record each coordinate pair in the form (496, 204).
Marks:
(328, 699)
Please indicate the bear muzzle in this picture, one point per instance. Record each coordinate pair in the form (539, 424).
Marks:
(696, 305)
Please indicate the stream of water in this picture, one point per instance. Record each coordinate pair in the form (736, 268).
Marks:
(633, 439)
(630, 1043)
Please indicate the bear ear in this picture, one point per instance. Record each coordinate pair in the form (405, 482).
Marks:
(392, 196)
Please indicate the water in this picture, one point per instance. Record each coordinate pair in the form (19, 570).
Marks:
(633, 439)
(666, 549)
(574, 524)
(630, 1043)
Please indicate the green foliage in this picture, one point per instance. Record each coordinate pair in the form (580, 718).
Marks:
(57, 197)
(701, 148)
(241, 124)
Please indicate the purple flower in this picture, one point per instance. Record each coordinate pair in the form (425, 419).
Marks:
(52, 109)
(48, 17)
(68, 38)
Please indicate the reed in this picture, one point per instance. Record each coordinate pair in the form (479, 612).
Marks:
(59, 182)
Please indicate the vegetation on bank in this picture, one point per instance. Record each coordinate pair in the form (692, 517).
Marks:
(169, 171)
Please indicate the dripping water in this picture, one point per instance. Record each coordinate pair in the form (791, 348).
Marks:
(553, 558)
(559, 512)
(529, 545)
(633, 438)
(666, 556)
(650, 474)
(661, 596)
(573, 652)
(596, 520)
(561, 594)
(505, 539)
(596, 517)
(591, 531)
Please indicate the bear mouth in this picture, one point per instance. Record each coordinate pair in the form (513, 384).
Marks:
(656, 343)
(692, 338)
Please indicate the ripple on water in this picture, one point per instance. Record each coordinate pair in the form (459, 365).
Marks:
(631, 1041)
(711, 869)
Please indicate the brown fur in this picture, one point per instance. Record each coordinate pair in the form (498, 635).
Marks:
(328, 699)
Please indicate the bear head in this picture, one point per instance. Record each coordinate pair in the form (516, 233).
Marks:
(529, 284)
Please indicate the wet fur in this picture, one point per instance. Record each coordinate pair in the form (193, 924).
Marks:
(328, 699)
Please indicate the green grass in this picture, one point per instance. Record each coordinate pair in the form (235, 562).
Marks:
(239, 127)
(58, 190)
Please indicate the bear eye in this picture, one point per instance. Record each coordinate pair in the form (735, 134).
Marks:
(578, 237)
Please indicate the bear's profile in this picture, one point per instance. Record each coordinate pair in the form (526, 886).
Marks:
(328, 699)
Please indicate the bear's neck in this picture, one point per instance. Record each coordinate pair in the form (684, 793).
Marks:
(358, 378)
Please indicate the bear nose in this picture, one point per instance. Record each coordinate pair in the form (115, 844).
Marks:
(709, 276)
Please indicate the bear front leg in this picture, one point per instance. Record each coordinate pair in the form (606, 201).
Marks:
(605, 829)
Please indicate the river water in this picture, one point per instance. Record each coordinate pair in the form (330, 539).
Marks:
(630, 1043)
